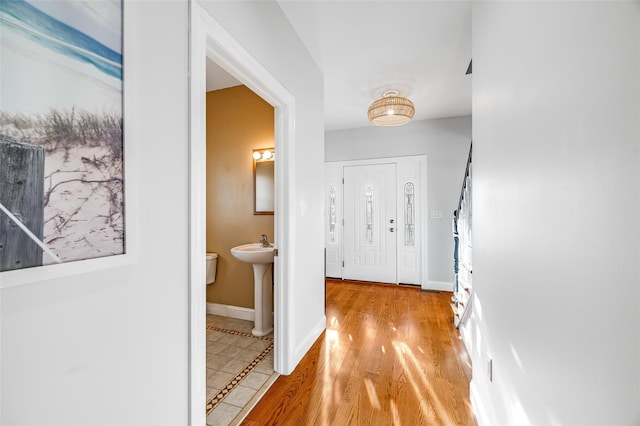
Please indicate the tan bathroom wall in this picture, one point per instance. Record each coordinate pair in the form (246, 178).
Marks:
(238, 121)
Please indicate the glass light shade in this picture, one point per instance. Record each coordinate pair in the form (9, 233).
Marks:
(391, 111)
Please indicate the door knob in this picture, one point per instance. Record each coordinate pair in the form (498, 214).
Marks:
(391, 221)
(391, 229)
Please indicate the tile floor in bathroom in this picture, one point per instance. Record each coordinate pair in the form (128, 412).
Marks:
(239, 369)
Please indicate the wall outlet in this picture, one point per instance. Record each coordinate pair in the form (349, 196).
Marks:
(436, 214)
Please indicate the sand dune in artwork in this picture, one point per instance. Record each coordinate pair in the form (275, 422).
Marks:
(83, 184)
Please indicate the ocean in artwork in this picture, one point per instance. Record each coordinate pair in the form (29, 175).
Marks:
(61, 91)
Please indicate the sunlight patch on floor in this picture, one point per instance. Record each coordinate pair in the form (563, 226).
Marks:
(411, 367)
(394, 413)
(331, 341)
(373, 395)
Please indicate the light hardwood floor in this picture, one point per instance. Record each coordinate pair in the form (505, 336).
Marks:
(390, 356)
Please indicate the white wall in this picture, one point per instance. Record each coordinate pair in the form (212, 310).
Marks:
(263, 30)
(446, 143)
(556, 100)
(110, 347)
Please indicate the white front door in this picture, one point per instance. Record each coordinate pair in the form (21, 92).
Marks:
(370, 223)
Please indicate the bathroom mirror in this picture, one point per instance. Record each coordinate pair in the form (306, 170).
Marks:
(263, 188)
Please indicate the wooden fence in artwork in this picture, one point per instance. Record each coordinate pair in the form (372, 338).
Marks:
(21, 192)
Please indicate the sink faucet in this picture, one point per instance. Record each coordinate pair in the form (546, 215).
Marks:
(264, 242)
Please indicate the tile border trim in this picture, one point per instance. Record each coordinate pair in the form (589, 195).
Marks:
(240, 333)
(226, 390)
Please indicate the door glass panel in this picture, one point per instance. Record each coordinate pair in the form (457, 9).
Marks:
(368, 194)
(332, 214)
(409, 215)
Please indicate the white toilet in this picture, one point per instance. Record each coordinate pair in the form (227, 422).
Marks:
(212, 265)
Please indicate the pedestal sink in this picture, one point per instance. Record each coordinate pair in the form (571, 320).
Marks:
(262, 260)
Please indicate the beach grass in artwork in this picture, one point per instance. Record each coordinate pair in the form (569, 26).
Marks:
(61, 91)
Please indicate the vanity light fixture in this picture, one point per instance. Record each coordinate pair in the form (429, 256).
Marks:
(391, 110)
(263, 155)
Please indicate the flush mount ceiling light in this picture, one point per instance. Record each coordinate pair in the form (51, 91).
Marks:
(391, 110)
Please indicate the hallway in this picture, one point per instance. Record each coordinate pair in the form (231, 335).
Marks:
(390, 355)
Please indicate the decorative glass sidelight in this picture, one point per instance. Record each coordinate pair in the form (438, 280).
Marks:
(368, 196)
(332, 214)
(409, 215)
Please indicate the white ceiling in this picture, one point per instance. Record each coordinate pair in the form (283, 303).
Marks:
(217, 78)
(419, 48)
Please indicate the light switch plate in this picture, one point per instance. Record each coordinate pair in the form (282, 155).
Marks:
(436, 214)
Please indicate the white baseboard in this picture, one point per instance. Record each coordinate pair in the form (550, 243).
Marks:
(311, 338)
(231, 311)
(438, 285)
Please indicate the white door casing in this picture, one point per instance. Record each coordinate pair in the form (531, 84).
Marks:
(370, 223)
(210, 40)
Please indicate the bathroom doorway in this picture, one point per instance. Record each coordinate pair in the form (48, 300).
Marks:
(239, 209)
(210, 41)
(239, 124)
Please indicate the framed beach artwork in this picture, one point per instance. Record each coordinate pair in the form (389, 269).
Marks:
(61, 132)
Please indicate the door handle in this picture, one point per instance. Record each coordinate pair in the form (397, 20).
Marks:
(391, 221)
(391, 229)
